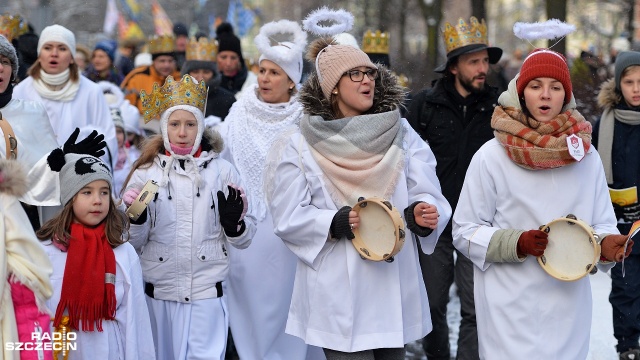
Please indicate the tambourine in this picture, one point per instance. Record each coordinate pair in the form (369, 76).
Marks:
(380, 234)
(572, 251)
(147, 194)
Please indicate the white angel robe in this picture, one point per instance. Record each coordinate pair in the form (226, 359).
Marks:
(88, 111)
(36, 139)
(129, 336)
(341, 301)
(522, 312)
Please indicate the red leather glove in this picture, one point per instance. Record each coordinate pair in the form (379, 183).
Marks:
(532, 242)
(612, 247)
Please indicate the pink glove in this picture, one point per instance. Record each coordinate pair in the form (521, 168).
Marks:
(243, 195)
(130, 196)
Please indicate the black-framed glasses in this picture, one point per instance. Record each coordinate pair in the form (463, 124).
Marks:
(13, 144)
(357, 75)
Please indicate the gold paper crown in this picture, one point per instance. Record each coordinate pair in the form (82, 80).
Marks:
(202, 50)
(12, 26)
(462, 34)
(162, 44)
(172, 93)
(375, 43)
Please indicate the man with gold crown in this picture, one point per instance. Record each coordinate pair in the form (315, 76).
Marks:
(199, 210)
(201, 64)
(454, 117)
(142, 78)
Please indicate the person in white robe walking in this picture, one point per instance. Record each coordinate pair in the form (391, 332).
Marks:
(261, 276)
(352, 142)
(524, 178)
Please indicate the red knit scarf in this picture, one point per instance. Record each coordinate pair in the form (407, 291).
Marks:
(539, 145)
(88, 286)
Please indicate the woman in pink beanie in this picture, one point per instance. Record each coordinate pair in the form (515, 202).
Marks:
(352, 143)
(539, 167)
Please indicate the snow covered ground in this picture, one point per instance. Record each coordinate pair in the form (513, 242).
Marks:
(602, 341)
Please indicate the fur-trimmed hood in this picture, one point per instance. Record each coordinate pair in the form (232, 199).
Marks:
(214, 142)
(13, 179)
(609, 97)
(389, 95)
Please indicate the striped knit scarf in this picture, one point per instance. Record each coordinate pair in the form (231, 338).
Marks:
(536, 145)
(359, 156)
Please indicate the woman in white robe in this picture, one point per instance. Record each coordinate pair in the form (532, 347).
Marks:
(261, 277)
(524, 178)
(71, 100)
(352, 142)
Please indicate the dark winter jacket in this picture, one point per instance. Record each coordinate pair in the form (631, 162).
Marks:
(234, 83)
(625, 153)
(455, 128)
(219, 100)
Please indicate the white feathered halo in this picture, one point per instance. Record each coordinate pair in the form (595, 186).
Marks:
(342, 21)
(550, 29)
(286, 27)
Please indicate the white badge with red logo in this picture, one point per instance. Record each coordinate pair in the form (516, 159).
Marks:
(576, 149)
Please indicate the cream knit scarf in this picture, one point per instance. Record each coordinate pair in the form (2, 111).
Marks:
(360, 156)
(605, 135)
(254, 125)
(68, 91)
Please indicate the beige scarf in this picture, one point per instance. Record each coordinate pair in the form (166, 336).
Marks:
(66, 93)
(360, 156)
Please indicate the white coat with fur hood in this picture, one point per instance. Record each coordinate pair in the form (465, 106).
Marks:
(182, 246)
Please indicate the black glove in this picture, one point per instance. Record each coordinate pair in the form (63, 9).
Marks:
(628, 213)
(230, 210)
(411, 222)
(91, 145)
(340, 224)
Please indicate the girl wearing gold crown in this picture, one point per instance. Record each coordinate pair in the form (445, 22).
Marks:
(184, 235)
(261, 277)
(352, 143)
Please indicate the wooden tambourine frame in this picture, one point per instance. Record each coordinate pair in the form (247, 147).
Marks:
(572, 251)
(147, 194)
(380, 234)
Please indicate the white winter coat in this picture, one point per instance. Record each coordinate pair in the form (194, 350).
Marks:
(182, 246)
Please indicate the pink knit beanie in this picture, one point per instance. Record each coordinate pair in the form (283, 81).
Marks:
(545, 63)
(334, 60)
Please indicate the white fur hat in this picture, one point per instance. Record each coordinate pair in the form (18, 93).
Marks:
(286, 54)
(58, 33)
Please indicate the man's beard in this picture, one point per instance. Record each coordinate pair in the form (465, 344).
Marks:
(468, 85)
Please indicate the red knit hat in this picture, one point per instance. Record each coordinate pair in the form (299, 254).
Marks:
(545, 63)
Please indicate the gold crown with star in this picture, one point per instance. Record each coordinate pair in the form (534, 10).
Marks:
(463, 34)
(161, 44)
(12, 26)
(184, 92)
(202, 50)
(375, 42)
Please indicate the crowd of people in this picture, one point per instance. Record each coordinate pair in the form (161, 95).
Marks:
(247, 249)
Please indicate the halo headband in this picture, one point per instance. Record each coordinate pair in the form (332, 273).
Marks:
(342, 21)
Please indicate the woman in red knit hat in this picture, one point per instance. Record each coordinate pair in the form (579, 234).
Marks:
(539, 167)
